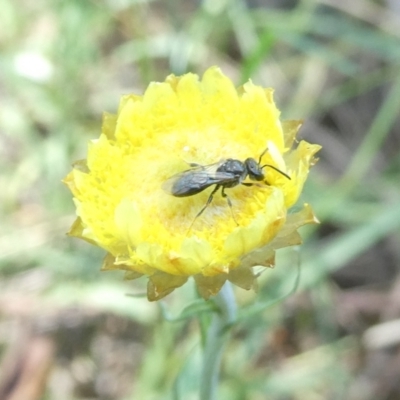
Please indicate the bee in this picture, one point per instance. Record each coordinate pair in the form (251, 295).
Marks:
(224, 174)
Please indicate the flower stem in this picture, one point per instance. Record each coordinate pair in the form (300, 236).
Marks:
(216, 338)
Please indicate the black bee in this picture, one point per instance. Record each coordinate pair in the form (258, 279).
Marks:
(224, 174)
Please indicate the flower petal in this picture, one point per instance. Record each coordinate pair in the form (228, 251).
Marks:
(161, 284)
(209, 285)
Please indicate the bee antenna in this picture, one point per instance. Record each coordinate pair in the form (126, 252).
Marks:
(277, 170)
(261, 156)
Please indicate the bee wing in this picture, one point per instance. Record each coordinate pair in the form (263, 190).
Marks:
(194, 180)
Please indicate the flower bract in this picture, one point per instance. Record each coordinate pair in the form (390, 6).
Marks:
(178, 125)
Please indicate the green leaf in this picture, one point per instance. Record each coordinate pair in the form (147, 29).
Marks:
(194, 309)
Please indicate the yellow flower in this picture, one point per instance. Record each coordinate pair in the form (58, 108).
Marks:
(121, 205)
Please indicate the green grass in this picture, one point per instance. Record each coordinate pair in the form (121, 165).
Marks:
(335, 68)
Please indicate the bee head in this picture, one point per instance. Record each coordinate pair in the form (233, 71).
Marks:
(254, 170)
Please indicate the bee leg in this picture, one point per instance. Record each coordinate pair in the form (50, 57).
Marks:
(209, 200)
(255, 184)
(224, 195)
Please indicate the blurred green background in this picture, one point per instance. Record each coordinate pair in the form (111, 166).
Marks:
(68, 331)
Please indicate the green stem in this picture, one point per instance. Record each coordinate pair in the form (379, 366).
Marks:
(216, 338)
